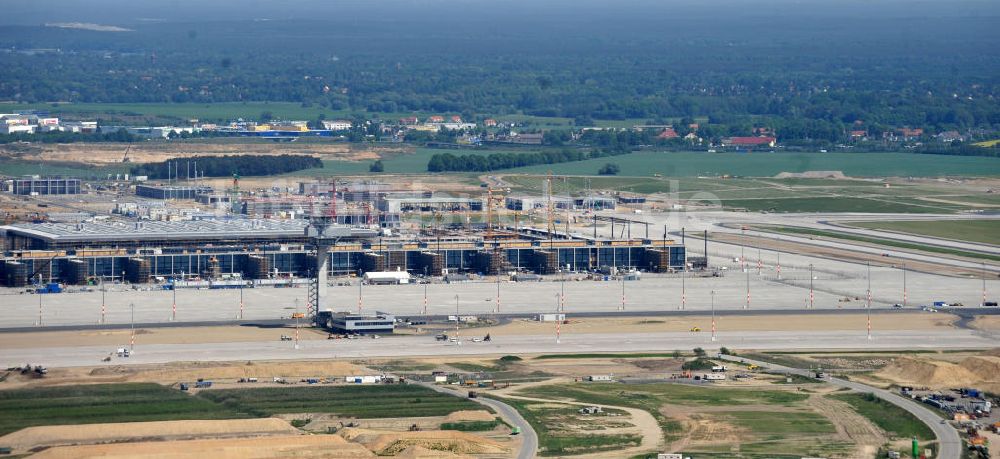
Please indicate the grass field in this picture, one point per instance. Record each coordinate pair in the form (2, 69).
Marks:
(102, 403)
(791, 428)
(891, 418)
(548, 423)
(985, 231)
(16, 168)
(878, 241)
(693, 164)
(385, 401)
(831, 204)
(641, 396)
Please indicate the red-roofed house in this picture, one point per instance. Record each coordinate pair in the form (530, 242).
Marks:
(749, 142)
(409, 121)
(435, 119)
(668, 133)
(910, 134)
(858, 135)
(456, 119)
(490, 122)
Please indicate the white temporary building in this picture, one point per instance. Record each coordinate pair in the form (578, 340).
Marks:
(387, 277)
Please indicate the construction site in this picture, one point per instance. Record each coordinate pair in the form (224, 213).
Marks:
(340, 290)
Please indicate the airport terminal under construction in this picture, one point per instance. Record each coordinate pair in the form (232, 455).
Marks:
(279, 251)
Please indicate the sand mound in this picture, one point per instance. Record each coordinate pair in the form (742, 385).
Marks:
(299, 446)
(470, 415)
(812, 174)
(419, 452)
(32, 437)
(390, 443)
(928, 373)
(986, 368)
(185, 371)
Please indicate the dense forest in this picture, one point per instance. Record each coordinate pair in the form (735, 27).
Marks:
(224, 166)
(811, 71)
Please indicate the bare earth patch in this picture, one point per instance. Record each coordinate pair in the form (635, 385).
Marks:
(47, 436)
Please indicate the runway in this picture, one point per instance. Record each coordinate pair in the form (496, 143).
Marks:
(402, 346)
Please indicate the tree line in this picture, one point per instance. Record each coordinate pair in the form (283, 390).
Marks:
(448, 162)
(224, 166)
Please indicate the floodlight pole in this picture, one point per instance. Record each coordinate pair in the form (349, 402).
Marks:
(984, 285)
(103, 304)
(713, 315)
(747, 306)
(131, 344)
(241, 298)
(812, 294)
(623, 293)
(458, 338)
(868, 306)
(778, 253)
(904, 284)
(296, 345)
(562, 291)
(558, 322)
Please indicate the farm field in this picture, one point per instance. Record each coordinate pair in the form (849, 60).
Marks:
(133, 402)
(985, 231)
(384, 401)
(103, 403)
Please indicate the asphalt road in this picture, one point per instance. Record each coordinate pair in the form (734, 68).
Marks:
(529, 439)
(949, 443)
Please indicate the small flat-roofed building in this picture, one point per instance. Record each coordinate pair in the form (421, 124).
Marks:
(343, 322)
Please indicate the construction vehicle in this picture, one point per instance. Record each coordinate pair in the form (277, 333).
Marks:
(696, 329)
(201, 384)
(515, 431)
(473, 394)
(125, 158)
(753, 367)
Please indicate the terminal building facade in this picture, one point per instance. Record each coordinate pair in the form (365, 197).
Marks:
(139, 252)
